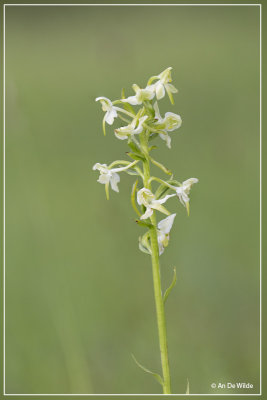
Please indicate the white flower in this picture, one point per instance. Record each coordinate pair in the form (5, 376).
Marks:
(110, 175)
(111, 111)
(164, 79)
(183, 192)
(147, 198)
(169, 123)
(164, 227)
(134, 128)
(140, 96)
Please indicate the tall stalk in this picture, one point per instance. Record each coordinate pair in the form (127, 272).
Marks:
(143, 126)
(160, 310)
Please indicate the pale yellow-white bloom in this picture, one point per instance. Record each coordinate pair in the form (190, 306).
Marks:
(140, 95)
(163, 232)
(169, 123)
(110, 175)
(147, 198)
(163, 83)
(107, 106)
(134, 128)
(183, 192)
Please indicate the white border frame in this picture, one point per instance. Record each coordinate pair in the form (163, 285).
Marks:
(4, 222)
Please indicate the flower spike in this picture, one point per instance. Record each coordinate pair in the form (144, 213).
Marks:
(137, 127)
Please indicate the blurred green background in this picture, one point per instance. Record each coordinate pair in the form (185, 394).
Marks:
(79, 295)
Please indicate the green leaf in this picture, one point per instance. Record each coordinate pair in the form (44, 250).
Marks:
(134, 147)
(128, 108)
(168, 291)
(149, 108)
(156, 376)
(161, 190)
(133, 198)
(136, 156)
(144, 244)
(143, 223)
(143, 248)
(152, 148)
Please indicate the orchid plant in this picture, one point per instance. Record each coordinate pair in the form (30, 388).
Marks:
(139, 127)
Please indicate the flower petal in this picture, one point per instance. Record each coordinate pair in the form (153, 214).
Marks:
(164, 136)
(170, 88)
(131, 100)
(144, 195)
(161, 238)
(139, 129)
(172, 121)
(114, 180)
(165, 224)
(160, 90)
(147, 214)
(100, 167)
(120, 135)
(190, 181)
(157, 112)
(103, 178)
(110, 115)
(165, 76)
(161, 208)
(164, 199)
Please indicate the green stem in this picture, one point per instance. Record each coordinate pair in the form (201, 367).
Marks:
(161, 321)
